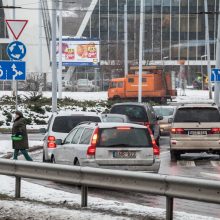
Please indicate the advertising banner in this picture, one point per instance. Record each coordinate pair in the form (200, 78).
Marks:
(79, 52)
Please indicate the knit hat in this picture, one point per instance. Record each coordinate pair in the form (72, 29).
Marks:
(20, 114)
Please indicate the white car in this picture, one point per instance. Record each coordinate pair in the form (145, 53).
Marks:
(122, 146)
(59, 125)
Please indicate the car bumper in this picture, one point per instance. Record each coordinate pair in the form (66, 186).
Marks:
(191, 145)
(151, 168)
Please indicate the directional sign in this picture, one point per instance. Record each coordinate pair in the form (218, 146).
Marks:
(16, 27)
(215, 76)
(12, 70)
(16, 50)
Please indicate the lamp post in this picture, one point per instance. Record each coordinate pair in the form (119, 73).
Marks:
(205, 55)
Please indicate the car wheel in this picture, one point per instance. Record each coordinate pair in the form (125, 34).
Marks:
(174, 155)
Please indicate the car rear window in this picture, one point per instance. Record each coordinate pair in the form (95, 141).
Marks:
(112, 119)
(64, 124)
(124, 137)
(164, 111)
(134, 113)
(197, 115)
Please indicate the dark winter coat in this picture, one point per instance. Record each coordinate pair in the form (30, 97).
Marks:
(19, 128)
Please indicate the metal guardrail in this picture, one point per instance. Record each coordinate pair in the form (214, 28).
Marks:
(163, 185)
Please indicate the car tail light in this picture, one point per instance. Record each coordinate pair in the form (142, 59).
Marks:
(177, 131)
(156, 149)
(147, 124)
(92, 148)
(51, 142)
(215, 131)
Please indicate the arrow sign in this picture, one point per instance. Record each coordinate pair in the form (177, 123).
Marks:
(16, 27)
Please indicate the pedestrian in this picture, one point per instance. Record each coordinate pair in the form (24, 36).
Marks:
(20, 137)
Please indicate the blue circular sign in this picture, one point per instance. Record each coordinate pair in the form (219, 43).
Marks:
(16, 50)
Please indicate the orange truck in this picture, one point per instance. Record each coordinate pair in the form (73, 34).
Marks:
(156, 85)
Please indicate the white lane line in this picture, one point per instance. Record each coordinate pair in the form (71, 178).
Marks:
(186, 163)
(215, 163)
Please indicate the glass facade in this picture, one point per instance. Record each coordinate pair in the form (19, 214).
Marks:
(174, 29)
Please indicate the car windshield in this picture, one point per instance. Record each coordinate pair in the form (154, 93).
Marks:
(124, 137)
(64, 124)
(197, 115)
(134, 113)
(164, 111)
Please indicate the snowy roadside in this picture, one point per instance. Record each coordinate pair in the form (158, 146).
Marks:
(6, 146)
(57, 204)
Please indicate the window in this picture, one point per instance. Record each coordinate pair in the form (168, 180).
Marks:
(130, 80)
(113, 85)
(69, 138)
(77, 136)
(131, 137)
(144, 80)
(164, 111)
(64, 124)
(197, 115)
(86, 136)
(120, 84)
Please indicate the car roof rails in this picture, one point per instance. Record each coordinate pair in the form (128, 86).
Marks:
(85, 122)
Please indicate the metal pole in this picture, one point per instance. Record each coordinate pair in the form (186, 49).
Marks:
(17, 187)
(202, 75)
(126, 39)
(40, 46)
(141, 51)
(217, 84)
(169, 208)
(84, 196)
(60, 50)
(54, 61)
(208, 48)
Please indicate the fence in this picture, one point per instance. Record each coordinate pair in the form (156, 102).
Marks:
(163, 185)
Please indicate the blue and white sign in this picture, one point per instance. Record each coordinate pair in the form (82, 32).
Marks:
(12, 70)
(16, 50)
(215, 76)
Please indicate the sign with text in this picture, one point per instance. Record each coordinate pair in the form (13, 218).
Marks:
(79, 52)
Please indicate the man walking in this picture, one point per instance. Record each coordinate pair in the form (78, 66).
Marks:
(20, 137)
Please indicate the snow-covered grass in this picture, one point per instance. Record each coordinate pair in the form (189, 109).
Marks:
(6, 146)
(98, 208)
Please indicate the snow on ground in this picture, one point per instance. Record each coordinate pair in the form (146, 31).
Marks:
(98, 208)
(6, 146)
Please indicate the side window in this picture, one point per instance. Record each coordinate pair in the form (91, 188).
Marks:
(113, 85)
(120, 84)
(130, 80)
(69, 138)
(144, 80)
(77, 135)
(86, 136)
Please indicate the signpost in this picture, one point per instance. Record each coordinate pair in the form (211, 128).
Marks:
(12, 70)
(215, 76)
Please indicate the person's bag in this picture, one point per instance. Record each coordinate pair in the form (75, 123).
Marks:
(17, 137)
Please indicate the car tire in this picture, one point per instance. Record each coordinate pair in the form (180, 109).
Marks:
(52, 160)
(76, 162)
(174, 155)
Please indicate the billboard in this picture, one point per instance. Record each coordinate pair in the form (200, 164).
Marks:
(79, 52)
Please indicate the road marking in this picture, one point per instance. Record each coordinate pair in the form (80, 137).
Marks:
(186, 163)
(215, 163)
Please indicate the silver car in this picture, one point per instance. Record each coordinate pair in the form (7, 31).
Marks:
(122, 146)
(195, 128)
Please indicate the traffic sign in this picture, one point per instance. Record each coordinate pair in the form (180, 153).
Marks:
(16, 27)
(215, 76)
(12, 70)
(16, 50)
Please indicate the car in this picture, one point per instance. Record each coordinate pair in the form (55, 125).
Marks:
(140, 113)
(122, 146)
(167, 112)
(195, 128)
(59, 125)
(115, 118)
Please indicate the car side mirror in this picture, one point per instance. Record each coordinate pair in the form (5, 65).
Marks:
(159, 117)
(42, 130)
(170, 120)
(59, 141)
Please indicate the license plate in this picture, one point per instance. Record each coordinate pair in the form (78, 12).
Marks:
(124, 154)
(198, 133)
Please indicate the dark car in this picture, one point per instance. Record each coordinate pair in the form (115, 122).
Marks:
(140, 113)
